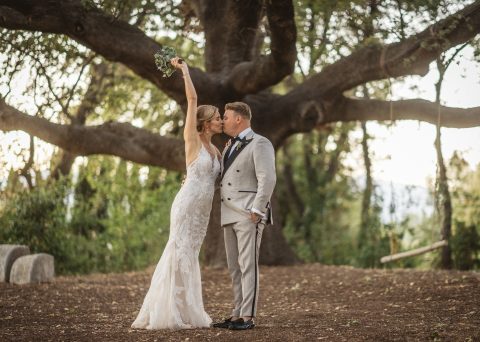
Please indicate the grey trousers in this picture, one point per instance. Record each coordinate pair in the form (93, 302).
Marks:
(242, 244)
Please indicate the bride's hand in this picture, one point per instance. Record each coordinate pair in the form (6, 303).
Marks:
(180, 64)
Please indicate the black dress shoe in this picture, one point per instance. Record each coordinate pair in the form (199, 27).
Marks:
(225, 324)
(240, 324)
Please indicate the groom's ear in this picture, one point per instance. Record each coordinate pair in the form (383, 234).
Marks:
(238, 118)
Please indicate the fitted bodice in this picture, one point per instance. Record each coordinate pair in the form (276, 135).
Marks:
(204, 169)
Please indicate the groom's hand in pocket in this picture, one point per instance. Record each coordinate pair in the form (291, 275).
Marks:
(255, 218)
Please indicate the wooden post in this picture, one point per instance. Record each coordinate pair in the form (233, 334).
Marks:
(413, 252)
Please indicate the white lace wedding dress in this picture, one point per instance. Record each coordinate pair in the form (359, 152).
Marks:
(174, 299)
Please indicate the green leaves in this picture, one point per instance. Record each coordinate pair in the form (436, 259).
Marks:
(162, 60)
(115, 217)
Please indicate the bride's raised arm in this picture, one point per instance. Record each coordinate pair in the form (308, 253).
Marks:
(190, 133)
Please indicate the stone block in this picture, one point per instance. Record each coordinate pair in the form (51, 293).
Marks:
(34, 268)
(8, 255)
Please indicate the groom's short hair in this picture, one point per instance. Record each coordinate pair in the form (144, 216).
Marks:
(240, 108)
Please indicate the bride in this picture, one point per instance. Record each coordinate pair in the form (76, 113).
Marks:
(174, 299)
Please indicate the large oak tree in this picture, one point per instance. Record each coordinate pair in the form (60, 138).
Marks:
(236, 67)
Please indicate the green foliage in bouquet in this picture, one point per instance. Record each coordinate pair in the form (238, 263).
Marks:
(162, 60)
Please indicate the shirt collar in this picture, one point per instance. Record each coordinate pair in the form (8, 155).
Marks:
(244, 133)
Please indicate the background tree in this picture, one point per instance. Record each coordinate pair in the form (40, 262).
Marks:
(465, 191)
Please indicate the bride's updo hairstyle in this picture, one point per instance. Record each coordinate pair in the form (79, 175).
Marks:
(205, 113)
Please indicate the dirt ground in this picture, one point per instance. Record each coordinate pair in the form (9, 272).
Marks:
(298, 303)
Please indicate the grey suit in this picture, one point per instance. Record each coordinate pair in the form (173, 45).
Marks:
(248, 180)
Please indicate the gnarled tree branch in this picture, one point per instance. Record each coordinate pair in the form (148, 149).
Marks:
(252, 76)
(349, 109)
(209, 12)
(243, 21)
(409, 57)
(288, 116)
(114, 39)
(228, 41)
(101, 77)
(112, 138)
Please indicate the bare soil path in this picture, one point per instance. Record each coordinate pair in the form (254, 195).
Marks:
(300, 303)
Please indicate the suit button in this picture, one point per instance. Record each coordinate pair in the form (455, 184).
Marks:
(238, 170)
(222, 200)
(229, 183)
(228, 198)
(221, 185)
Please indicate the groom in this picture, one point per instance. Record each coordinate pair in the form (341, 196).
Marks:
(247, 182)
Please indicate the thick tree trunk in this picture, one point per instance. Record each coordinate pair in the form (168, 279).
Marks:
(214, 248)
(274, 249)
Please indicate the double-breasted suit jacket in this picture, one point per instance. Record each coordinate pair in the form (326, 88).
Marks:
(248, 179)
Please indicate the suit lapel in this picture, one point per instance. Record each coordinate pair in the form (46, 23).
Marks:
(236, 152)
(225, 154)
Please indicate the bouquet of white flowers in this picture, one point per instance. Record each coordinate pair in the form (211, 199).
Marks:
(162, 60)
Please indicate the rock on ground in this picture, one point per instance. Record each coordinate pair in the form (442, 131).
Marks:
(35, 268)
(8, 255)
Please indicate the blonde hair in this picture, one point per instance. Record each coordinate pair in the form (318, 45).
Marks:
(205, 113)
(240, 108)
